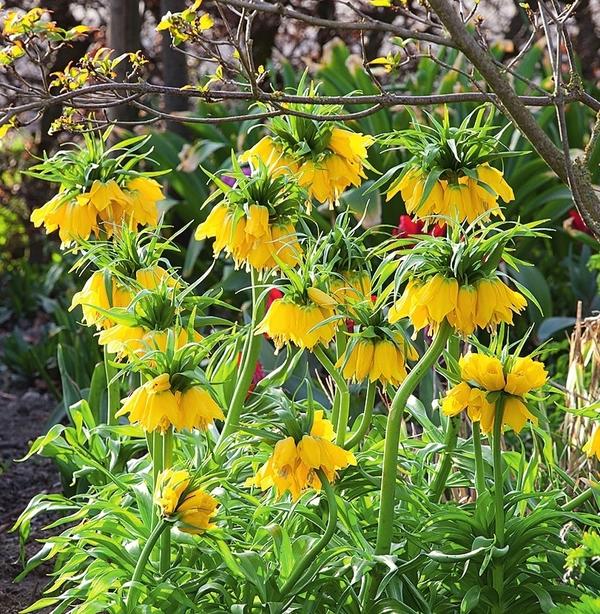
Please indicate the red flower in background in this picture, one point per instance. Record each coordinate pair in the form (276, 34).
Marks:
(273, 295)
(408, 226)
(259, 373)
(576, 222)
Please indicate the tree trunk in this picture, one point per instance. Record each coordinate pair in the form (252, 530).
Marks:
(174, 65)
(124, 37)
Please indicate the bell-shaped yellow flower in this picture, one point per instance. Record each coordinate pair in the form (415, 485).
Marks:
(156, 407)
(525, 375)
(485, 371)
(193, 508)
(484, 304)
(96, 294)
(463, 199)
(101, 209)
(302, 325)
(351, 287)
(481, 374)
(292, 467)
(325, 174)
(251, 239)
(381, 360)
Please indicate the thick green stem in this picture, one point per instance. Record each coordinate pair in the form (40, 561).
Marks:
(132, 595)
(340, 347)
(580, 499)
(342, 386)
(112, 390)
(479, 466)
(165, 540)
(312, 553)
(248, 363)
(385, 527)
(498, 571)
(441, 476)
(365, 421)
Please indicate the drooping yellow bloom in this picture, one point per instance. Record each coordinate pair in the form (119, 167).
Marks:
(144, 194)
(155, 406)
(251, 239)
(464, 199)
(482, 305)
(462, 396)
(129, 342)
(170, 485)
(193, 508)
(325, 175)
(104, 291)
(592, 447)
(381, 360)
(103, 208)
(480, 375)
(293, 466)
(525, 375)
(302, 325)
(352, 287)
(485, 371)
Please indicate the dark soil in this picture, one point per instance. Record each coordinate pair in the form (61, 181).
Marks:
(24, 417)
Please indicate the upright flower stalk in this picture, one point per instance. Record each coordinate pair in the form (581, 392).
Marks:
(498, 570)
(250, 354)
(385, 524)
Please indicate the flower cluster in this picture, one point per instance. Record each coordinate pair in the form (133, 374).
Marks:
(303, 323)
(101, 209)
(325, 158)
(157, 405)
(480, 375)
(192, 508)
(293, 465)
(382, 360)
(484, 304)
(468, 198)
(250, 238)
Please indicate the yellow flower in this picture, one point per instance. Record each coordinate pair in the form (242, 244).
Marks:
(592, 447)
(515, 414)
(129, 342)
(302, 325)
(195, 512)
(170, 485)
(193, 508)
(485, 371)
(381, 360)
(484, 304)
(461, 397)
(144, 194)
(100, 290)
(74, 217)
(156, 407)
(103, 208)
(481, 374)
(251, 239)
(525, 375)
(292, 467)
(465, 199)
(352, 287)
(95, 293)
(324, 175)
